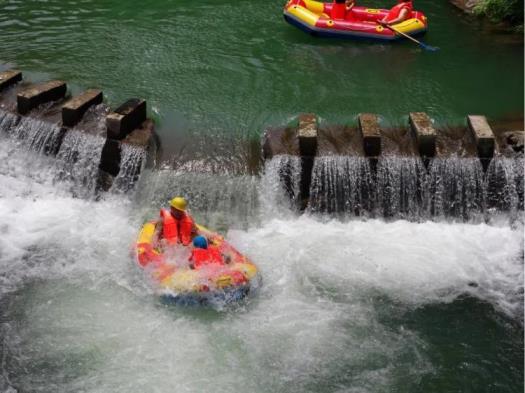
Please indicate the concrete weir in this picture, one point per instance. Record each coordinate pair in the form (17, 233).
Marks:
(359, 168)
(127, 124)
(420, 155)
(127, 127)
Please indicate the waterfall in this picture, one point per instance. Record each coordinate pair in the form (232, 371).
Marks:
(34, 134)
(221, 201)
(341, 184)
(280, 182)
(8, 121)
(401, 187)
(132, 158)
(505, 185)
(456, 187)
(346, 186)
(78, 160)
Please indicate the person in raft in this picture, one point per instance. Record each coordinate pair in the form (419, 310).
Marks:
(176, 225)
(340, 8)
(208, 255)
(204, 254)
(398, 13)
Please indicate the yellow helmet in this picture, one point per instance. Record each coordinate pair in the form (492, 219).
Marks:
(178, 203)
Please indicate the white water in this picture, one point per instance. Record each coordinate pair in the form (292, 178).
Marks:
(77, 314)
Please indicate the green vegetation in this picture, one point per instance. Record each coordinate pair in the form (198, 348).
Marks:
(510, 11)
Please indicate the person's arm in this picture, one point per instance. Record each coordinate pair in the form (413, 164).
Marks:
(402, 16)
(349, 4)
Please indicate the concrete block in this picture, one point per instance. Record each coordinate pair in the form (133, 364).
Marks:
(39, 94)
(142, 136)
(9, 78)
(110, 157)
(307, 134)
(74, 109)
(424, 132)
(483, 135)
(371, 133)
(126, 118)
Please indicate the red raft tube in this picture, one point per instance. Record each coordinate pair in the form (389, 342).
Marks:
(322, 19)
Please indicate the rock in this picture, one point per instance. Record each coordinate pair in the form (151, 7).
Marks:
(515, 139)
(465, 5)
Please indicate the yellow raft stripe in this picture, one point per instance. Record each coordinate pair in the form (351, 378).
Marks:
(410, 25)
(303, 14)
(314, 6)
(146, 233)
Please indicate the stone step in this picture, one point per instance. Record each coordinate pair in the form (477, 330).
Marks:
(9, 78)
(126, 118)
(307, 134)
(371, 134)
(76, 107)
(39, 94)
(483, 135)
(424, 132)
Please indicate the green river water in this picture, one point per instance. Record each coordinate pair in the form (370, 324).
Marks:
(235, 66)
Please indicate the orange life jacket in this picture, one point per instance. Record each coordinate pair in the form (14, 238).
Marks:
(201, 257)
(396, 10)
(174, 230)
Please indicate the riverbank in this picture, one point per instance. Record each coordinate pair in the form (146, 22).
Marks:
(509, 12)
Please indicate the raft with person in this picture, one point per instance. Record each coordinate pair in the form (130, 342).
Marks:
(338, 19)
(191, 265)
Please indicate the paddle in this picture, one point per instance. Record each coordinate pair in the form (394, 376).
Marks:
(422, 44)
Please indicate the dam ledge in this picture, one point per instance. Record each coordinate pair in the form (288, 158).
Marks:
(308, 139)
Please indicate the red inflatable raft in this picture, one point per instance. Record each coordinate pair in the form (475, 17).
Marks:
(176, 282)
(318, 19)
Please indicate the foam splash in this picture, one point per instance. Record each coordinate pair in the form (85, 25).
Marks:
(78, 315)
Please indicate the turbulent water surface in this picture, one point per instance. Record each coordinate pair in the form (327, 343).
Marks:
(345, 306)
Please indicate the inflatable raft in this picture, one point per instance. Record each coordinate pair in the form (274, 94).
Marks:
(318, 19)
(177, 283)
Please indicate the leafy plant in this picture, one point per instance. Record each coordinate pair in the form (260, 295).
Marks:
(510, 11)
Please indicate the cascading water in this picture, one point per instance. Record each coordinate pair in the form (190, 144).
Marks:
(35, 134)
(505, 185)
(77, 152)
(341, 184)
(456, 187)
(8, 121)
(221, 201)
(78, 159)
(280, 184)
(133, 159)
(401, 188)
